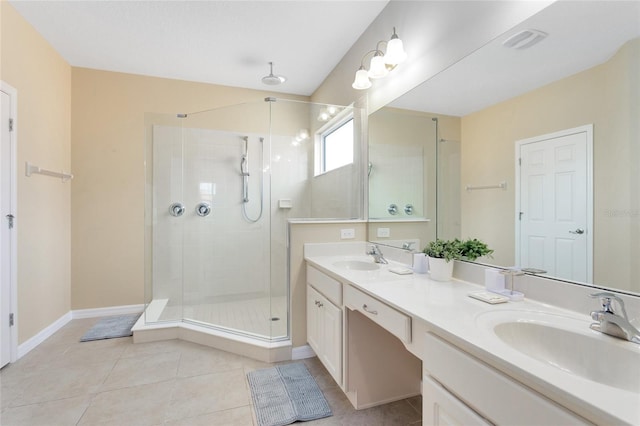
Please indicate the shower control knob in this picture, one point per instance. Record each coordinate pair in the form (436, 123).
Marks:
(203, 209)
(176, 209)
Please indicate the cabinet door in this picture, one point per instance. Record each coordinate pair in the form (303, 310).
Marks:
(331, 339)
(313, 323)
(440, 408)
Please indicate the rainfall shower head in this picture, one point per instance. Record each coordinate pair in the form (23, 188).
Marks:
(271, 79)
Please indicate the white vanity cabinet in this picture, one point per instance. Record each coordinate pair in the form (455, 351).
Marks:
(459, 389)
(324, 320)
(361, 342)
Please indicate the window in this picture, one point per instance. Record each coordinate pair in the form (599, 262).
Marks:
(336, 146)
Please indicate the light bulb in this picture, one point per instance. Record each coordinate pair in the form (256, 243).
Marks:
(361, 81)
(378, 69)
(395, 52)
(302, 134)
(324, 115)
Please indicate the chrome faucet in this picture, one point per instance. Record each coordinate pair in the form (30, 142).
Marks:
(407, 245)
(378, 257)
(610, 322)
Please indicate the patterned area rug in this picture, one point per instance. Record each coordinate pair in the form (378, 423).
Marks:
(285, 394)
(111, 327)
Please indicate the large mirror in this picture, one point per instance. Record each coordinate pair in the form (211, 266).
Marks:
(507, 122)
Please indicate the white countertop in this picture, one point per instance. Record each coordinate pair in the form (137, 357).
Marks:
(448, 311)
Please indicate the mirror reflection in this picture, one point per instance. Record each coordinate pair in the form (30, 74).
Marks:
(402, 164)
(524, 114)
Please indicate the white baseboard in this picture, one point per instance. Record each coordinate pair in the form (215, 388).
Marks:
(105, 312)
(43, 335)
(48, 331)
(302, 352)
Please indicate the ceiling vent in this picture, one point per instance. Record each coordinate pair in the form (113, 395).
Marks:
(524, 39)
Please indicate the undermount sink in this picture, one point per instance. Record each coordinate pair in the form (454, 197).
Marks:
(357, 265)
(568, 344)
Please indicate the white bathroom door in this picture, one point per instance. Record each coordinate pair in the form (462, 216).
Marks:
(6, 226)
(554, 204)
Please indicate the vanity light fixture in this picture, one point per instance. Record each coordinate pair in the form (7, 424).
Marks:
(301, 136)
(381, 62)
(328, 112)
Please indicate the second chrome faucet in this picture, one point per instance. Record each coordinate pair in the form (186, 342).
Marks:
(378, 257)
(611, 323)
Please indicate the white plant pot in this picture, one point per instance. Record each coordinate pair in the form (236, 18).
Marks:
(440, 269)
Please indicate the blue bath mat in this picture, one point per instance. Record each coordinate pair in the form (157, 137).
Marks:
(285, 394)
(111, 327)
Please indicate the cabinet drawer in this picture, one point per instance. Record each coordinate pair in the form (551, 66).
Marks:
(388, 318)
(326, 285)
(440, 408)
(508, 402)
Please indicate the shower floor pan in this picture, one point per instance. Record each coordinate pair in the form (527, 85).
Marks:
(216, 325)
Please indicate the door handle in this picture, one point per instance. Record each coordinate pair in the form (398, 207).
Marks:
(578, 231)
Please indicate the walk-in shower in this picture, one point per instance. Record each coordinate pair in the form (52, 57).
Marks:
(216, 224)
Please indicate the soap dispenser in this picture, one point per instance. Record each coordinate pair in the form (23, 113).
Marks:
(510, 274)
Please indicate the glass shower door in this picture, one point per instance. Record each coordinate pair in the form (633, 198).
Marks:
(164, 219)
(226, 259)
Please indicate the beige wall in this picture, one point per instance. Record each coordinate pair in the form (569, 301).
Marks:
(43, 82)
(108, 160)
(607, 96)
(299, 234)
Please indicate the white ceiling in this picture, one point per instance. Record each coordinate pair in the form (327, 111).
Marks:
(582, 34)
(219, 42)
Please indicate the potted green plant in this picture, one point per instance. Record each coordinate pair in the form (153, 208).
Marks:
(473, 248)
(441, 254)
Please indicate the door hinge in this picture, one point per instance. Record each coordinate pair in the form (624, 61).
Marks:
(10, 320)
(520, 215)
(520, 161)
(10, 219)
(11, 124)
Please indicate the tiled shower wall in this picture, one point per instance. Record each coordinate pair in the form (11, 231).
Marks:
(223, 255)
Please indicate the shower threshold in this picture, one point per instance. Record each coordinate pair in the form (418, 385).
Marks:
(148, 328)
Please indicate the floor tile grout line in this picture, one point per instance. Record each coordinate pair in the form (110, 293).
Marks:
(173, 391)
(85, 409)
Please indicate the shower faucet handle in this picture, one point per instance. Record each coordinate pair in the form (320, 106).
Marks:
(176, 209)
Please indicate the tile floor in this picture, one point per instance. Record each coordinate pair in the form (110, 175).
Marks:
(116, 382)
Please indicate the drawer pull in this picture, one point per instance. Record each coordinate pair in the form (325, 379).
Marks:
(366, 309)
